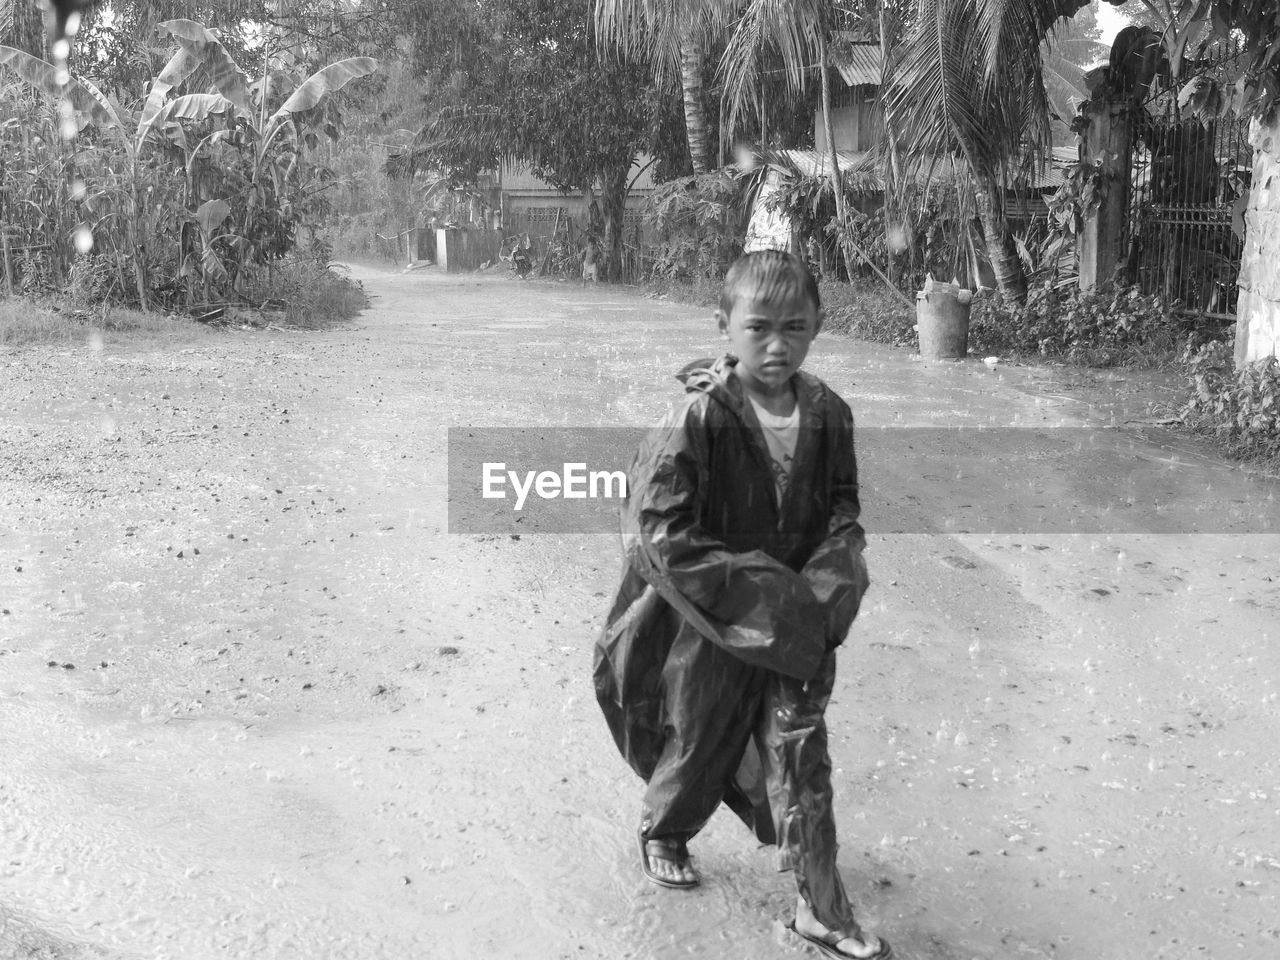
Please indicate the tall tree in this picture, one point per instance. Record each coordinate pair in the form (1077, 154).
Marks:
(523, 81)
(804, 36)
(673, 36)
(969, 82)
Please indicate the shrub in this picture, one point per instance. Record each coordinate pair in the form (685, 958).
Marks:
(1239, 407)
(309, 294)
(866, 310)
(696, 223)
(191, 199)
(1103, 327)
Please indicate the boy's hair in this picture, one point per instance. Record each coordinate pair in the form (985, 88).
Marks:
(768, 276)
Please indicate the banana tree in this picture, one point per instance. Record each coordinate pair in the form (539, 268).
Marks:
(252, 145)
(90, 107)
(297, 122)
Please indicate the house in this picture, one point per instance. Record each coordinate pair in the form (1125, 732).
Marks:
(857, 120)
(533, 206)
(511, 202)
(858, 129)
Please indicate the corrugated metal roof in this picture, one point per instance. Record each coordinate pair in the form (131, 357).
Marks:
(860, 63)
(862, 171)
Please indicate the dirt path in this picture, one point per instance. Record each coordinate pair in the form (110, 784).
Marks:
(256, 701)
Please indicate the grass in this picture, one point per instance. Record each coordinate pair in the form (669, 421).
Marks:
(317, 297)
(300, 296)
(26, 322)
(701, 292)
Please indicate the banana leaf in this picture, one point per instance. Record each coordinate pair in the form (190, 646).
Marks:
(200, 50)
(211, 214)
(315, 88)
(192, 106)
(44, 76)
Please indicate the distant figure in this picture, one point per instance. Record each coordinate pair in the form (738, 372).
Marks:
(515, 251)
(591, 257)
(743, 574)
(520, 258)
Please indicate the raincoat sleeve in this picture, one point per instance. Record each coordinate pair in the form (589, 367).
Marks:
(748, 603)
(837, 571)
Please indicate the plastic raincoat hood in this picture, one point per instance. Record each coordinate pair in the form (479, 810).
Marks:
(709, 546)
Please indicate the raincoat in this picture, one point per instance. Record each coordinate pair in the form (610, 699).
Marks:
(732, 601)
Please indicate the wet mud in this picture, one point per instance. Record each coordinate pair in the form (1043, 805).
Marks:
(257, 701)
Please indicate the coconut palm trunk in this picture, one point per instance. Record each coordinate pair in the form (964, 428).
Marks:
(847, 244)
(1010, 277)
(695, 116)
(833, 156)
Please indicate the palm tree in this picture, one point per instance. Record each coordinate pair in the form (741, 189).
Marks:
(802, 35)
(672, 35)
(969, 82)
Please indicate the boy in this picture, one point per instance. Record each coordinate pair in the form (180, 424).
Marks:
(743, 572)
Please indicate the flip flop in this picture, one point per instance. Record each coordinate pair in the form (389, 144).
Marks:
(672, 850)
(828, 949)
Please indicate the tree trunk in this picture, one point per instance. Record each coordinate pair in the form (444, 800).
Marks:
(1010, 277)
(837, 183)
(695, 117)
(613, 202)
(896, 236)
(847, 245)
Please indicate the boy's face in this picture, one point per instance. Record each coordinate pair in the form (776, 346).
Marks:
(770, 340)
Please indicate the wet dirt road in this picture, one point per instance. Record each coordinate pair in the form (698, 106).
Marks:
(257, 701)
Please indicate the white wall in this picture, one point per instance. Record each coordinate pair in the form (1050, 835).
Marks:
(1258, 313)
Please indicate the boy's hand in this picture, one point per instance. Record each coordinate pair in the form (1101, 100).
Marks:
(839, 579)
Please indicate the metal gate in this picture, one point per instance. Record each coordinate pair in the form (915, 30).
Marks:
(1190, 181)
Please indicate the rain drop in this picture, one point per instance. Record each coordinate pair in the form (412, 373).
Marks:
(83, 236)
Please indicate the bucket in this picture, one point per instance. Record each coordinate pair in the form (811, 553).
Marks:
(942, 321)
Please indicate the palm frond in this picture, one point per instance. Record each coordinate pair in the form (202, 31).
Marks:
(1064, 86)
(654, 30)
(795, 30)
(933, 86)
(1008, 29)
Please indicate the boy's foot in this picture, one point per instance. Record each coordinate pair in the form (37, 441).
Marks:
(847, 943)
(666, 863)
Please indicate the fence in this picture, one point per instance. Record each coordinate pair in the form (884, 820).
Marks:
(1184, 227)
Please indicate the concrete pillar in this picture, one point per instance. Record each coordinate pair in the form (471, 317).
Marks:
(1258, 309)
(1106, 146)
